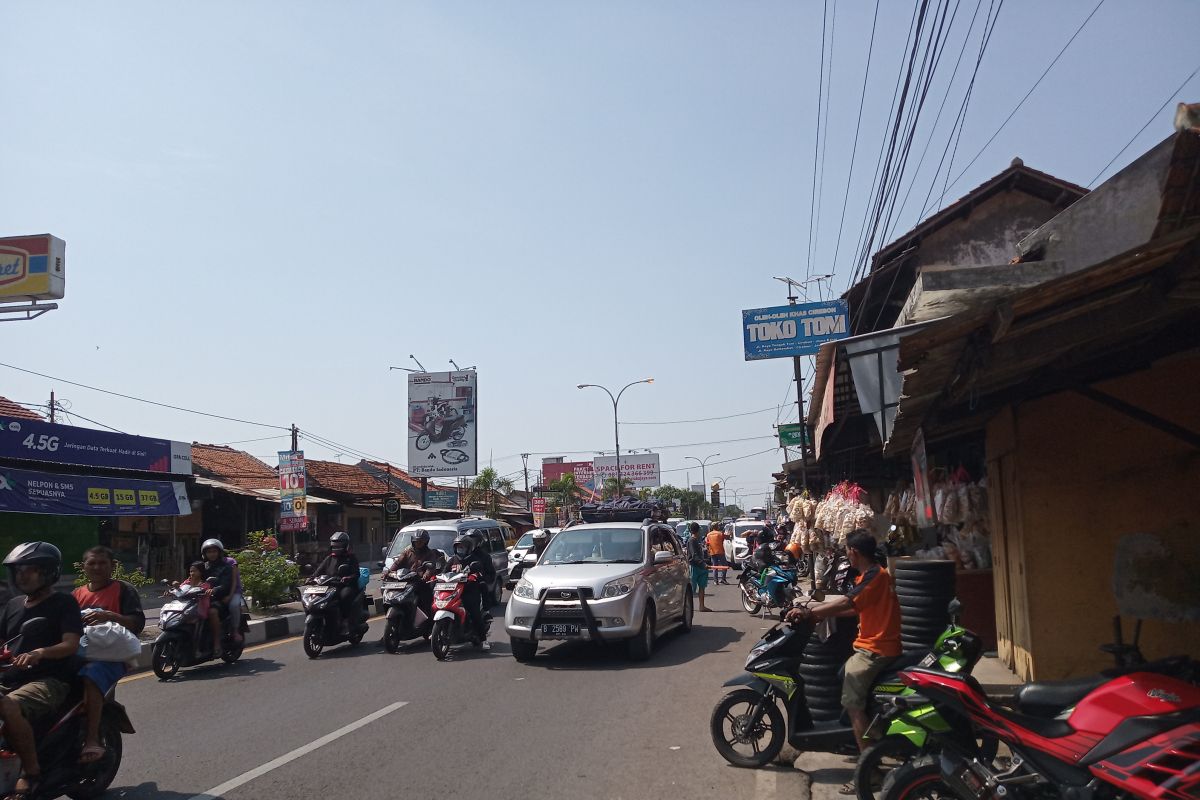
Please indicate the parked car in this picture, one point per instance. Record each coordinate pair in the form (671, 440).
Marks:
(497, 537)
(736, 548)
(609, 582)
(681, 528)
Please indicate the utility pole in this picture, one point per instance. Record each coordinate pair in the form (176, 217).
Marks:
(525, 467)
(295, 438)
(51, 405)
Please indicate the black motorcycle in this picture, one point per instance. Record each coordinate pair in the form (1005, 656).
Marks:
(446, 423)
(184, 639)
(406, 619)
(323, 617)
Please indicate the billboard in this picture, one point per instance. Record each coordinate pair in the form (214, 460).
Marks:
(639, 470)
(792, 330)
(582, 470)
(83, 495)
(32, 267)
(293, 491)
(442, 498)
(442, 435)
(33, 440)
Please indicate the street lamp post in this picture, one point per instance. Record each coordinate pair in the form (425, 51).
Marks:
(703, 468)
(616, 424)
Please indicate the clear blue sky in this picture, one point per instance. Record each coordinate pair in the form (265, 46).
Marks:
(267, 204)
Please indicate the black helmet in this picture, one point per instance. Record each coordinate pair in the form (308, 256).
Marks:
(40, 554)
(339, 542)
(464, 545)
(420, 535)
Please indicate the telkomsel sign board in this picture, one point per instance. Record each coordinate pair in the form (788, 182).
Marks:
(33, 440)
(442, 416)
(792, 330)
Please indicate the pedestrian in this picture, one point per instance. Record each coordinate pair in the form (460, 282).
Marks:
(716, 553)
(697, 563)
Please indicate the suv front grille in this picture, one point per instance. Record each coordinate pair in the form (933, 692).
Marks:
(567, 593)
(562, 611)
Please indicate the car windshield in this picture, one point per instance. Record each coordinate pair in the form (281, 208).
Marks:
(439, 540)
(742, 528)
(596, 546)
(525, 541)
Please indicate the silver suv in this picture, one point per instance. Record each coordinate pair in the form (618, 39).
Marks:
(612, 581)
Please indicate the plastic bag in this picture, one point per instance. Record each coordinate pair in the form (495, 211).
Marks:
(109, 641)
(364, 577)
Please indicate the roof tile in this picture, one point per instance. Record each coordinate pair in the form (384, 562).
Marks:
(236, 467)
(10, 409)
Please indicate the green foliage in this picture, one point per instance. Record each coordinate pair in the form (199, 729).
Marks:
(487, 490)
(610, 490)
(267, 577)
(566, 491)
(136, 578)
(733, 511)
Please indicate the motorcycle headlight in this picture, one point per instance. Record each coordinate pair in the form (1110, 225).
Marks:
(391, 594)
(524, 589)
(618, 587)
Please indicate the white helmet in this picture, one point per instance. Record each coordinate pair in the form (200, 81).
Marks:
(212, 543)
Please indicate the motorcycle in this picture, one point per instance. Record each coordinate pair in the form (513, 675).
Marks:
(405, 618)
(1133, 732)
(323, 618)
(184, 639)
(747, 715)
(773, 587)
(443, 424)
(451, 625)
(59, 740)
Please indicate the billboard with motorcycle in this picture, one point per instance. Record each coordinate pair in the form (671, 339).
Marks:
(442, 434)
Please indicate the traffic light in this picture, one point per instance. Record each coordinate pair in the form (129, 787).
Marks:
(716, 495)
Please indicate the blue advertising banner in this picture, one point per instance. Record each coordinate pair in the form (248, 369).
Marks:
(786, 331)
(441, 499)
(67, 444)
(83, 495)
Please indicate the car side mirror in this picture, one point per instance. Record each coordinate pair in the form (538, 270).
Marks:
(663, 557)
(383, 551)
(529, 560)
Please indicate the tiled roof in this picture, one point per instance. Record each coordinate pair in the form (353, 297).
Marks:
(10, 409)
(345, 479)
(232, 466)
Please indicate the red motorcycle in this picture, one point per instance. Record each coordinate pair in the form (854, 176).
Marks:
(451, 625)
(1131, 733)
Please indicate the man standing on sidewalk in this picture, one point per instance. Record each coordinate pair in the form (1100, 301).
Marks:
(716, 553)
(697, 564)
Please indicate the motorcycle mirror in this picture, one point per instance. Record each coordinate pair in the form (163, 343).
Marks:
(306, 570)
(954, 608)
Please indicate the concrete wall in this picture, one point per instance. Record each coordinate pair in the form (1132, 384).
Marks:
(1079, 479)
(989, 235)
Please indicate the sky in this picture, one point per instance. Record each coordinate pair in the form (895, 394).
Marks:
(266, 205)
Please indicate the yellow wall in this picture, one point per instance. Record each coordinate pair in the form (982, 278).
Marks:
(1085, 476)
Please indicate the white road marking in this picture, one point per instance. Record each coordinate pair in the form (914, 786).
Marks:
(228, 786)
(764, 785)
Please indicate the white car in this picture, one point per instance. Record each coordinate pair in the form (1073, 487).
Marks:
(736, 549)
(518, 551)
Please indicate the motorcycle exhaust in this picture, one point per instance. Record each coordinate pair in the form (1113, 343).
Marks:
(970, 779)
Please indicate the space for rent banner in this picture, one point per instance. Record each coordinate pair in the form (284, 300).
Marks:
(442, 424)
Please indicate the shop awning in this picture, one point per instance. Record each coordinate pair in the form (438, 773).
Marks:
(266, 495)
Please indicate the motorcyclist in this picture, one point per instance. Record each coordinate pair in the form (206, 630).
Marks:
(541, 539)
(339, 556)
(219, 575)
(415, 557)
(473, 560)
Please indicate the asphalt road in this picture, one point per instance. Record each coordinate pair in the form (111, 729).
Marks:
(357, 722)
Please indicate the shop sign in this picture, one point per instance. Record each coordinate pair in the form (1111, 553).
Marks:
(79, 495)
(32, 267)
(442, 424)
(293, 491)
(582, 470)
(32, 440)
(920, 467)
(795, 435)
(391, 511)
(792, 330)
(639, 471)
(442, 498)
(538, 506)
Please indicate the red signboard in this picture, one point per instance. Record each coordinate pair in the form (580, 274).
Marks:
(582, 470)
(539, 505)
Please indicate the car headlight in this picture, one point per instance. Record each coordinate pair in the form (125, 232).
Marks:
(524, 589)
(618, 587)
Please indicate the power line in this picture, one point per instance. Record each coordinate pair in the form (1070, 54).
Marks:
(85, 419)
(144, 400)
(1036, 83)
(726, 461)
(247, 441)
(1147, 125)
(816, 140)
(704, 419)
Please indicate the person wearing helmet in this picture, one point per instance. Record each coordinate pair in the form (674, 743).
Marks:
(45, 663)
(472, 559)
(541, 539)
(340, 554)
(416, 556)
(220, 575)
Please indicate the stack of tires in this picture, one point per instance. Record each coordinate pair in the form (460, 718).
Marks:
(821, 670)
(925, 589)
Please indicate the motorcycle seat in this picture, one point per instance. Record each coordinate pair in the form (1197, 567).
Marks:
(891, 673)
(1047, 728)
(1050, 698)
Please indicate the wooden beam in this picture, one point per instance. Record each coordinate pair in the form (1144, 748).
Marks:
(1141, 415)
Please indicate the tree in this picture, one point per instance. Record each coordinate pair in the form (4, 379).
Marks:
(733, 511)
(610, 489)
(487, 490)
(566, 491)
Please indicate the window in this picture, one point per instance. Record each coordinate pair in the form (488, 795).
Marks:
(661, 539)
(497, 541)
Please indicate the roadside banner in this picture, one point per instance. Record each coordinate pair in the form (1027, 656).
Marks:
(442, 421)
(640, 470)
(582, 470)
(293, 489)
(84, 495)
(32, 268)
(926, 517)
(33, 440)
(792, 330)
(793, 435)
(538, 506)
(441, 498)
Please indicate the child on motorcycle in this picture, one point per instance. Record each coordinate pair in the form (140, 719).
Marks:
(204, 604)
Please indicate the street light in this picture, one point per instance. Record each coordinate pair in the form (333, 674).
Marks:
(616, 425)
(724, 481)
(703, 471)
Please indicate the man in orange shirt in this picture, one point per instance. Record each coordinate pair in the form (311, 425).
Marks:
(716, 552)
(873, 601)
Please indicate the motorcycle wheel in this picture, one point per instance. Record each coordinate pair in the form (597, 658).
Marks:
(164, 659)
(459, 432)
(439, 640)
(920, 779)
(878, 760)
(232, 650)
(95, 778)
(355, 639)
(750, 606)
(731, 728)
(312, 642)
(423, 441)
(391, 637)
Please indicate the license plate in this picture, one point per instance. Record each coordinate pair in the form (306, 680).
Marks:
(560, 629)
(929, 660)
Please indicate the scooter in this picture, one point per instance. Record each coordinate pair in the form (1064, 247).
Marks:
(751, 717)
(323, 619)
(184, 639)
(773, 587)
(405, 618)
(446, 423)
(451, 626)
(59, 739)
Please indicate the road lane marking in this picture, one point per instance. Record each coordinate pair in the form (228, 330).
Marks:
(765, 785)
(228, 786)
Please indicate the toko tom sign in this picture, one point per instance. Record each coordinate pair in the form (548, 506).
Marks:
(792, 330)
